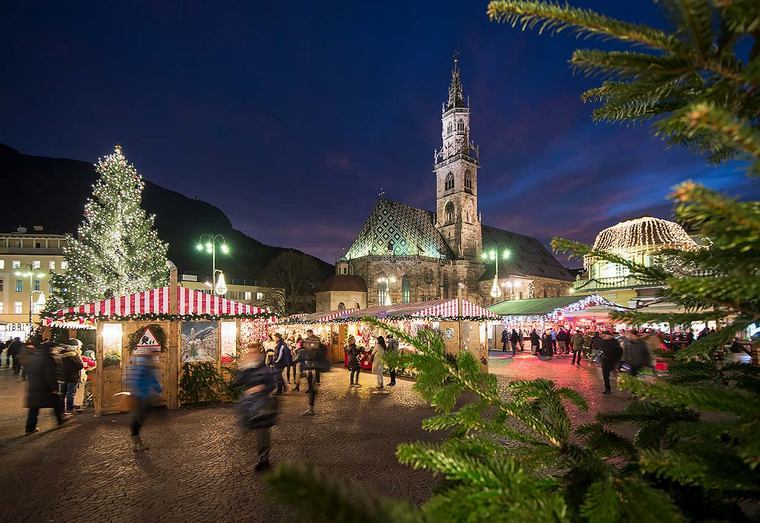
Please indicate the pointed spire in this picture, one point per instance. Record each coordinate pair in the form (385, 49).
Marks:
(456, 93)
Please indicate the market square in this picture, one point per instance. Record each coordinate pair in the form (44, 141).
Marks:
(234, 286)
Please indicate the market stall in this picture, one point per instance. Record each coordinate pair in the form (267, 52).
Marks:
(587, 312)
(462, 324)
(176, 325)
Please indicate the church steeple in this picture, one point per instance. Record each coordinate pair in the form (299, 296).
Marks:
(456, 93)
(456, 168)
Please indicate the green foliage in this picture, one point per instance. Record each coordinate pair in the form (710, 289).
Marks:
(157, 331)
(201, 383)
(694, 83)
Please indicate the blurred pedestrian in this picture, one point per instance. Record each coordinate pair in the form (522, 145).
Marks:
(42, 386)
(636, 353)
(258, 410)
(143, 385)
(72, 366)
(314, 359)
(15, 351)
(612, 352)
(354, 366)
(504, 340)
(577, 342)
(392, 354)
(298, 357)
(521, 340)
(513, 339)
(378, 355)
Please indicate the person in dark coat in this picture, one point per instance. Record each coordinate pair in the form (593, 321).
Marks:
(612, 352)
(282, 359)
(42, 386)
(513, 339)
(71, 365)
(354, 366)
(504, 340)
(391, 350)
(257, 409)
(535, 342)
(15, 351)
(637, 354)
(548, 344)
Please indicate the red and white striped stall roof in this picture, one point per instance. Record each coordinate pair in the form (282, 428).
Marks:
(156, 301)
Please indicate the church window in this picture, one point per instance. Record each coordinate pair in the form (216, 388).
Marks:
(468, 182)
(448, 129)
(405, 289)
(449, 212)
(341, 306)
(449, 184)
(382, 291)
(460, 125)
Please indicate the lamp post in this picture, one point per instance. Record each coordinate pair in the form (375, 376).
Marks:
(29, 272)
(494, 255)
(207, 242)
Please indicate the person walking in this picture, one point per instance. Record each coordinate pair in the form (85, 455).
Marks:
(513, 339)
(312, 356)
(15, 351)
(577, 342)
(504, 340)
(611, 354)
(378, 355)
(42, 386)
(354, 367)
(282, 359)
(637, 354)
(71, 365)
(535, 342)
(392, 354)
(258, 409)
(142, 382)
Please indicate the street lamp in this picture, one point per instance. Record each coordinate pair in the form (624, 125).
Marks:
(207, 242)
(29, 272)
(493, 255)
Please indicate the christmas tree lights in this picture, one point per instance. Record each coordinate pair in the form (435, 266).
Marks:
(117, 250)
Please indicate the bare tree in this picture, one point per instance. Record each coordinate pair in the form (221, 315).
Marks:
(295, 273)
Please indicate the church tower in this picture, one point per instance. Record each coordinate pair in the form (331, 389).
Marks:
(456, 171)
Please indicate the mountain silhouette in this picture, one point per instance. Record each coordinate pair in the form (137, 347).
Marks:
(51, 192)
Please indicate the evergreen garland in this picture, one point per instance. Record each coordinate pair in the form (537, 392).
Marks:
(157, 331)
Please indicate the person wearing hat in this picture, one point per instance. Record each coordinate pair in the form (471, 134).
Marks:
(71, 366)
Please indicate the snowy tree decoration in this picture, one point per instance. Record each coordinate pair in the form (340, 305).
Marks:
(117, 250)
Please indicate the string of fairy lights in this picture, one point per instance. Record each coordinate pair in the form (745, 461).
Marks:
(644, 232)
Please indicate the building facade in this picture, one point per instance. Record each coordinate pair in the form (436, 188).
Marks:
(405, 254)
(638, 241)
(27, 260)
(250, 292)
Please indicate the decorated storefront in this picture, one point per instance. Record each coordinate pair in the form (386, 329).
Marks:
(587, 312)
(176, 325)
(462, 324)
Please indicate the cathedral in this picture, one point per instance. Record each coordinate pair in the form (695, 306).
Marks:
(404, 254)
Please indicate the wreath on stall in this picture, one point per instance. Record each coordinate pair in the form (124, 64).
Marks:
(136, 336)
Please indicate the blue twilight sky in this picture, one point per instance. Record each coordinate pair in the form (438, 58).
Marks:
(290, 116)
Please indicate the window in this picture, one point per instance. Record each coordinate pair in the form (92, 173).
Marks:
(2, 264)
(448, 129)
(382, 291)
(341, 306)
(449, 184)
(64, 265)
(344, 270)
(52, 265)
(405, 289)
(259, 295)
(36, 285)
(449, 212)
(38, 245)
(248, 295)
(37, 307)
(36, 264)
(19, 285)
(468, 182)
(460, 125)
(17, 307)
(16, 264)
(2, 307)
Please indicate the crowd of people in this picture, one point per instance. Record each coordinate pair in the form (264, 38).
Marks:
(56, 374)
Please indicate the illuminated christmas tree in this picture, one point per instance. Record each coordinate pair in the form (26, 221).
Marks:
(117, 250)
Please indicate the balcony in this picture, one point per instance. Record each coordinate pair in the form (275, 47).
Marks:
(613, 282)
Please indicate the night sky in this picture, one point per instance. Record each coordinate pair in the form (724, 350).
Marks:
(291, 116)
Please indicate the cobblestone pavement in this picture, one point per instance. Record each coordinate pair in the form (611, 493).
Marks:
(199, 466)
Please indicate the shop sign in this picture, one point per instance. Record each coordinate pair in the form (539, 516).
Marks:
(147, 344)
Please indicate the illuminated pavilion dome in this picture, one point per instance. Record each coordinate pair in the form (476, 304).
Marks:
(644, 233)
